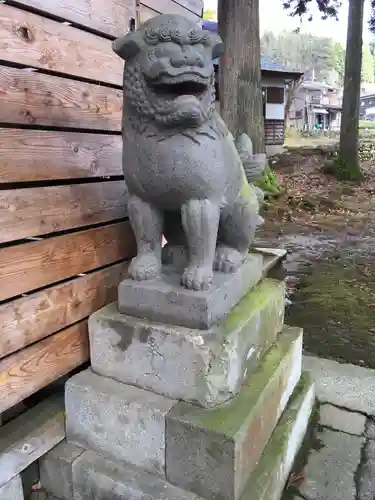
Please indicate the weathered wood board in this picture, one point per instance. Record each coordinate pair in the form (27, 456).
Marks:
(34, 40)
(29, 319)
(107, 16)
(32, 98)
(25, 372)
(30, 436)
(34, 265)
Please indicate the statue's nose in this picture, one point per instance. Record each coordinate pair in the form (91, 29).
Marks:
(187, 60)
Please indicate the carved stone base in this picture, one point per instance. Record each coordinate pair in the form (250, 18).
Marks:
(164, 300)
(206, 367)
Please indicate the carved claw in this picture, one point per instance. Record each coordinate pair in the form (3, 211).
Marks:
(227, 260)
(144, 267)
(197, 278)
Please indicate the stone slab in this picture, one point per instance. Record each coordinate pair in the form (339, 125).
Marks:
(122, 422)
(342, 420)
(100, 479)
(370, 428)
(206, 367)
(164, 300)
(56, 469)
(212, 452)
(270, 476)
(343, 385)
(12, 490)
(366, 481)
(331, 468)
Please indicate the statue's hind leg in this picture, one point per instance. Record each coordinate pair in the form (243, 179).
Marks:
(174, 252)
(236, 233)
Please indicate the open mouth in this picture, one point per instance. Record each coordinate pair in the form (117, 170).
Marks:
(183, 85)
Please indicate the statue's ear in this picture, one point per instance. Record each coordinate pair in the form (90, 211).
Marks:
(217, 45)
(129, 45)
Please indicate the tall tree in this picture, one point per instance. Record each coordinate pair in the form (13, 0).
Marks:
(240, 73)
(349, 159)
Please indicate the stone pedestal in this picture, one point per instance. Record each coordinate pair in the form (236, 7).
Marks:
(212, 408)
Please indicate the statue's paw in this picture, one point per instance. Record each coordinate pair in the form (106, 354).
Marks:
(144, 267)
(197, 278)
(228, 260)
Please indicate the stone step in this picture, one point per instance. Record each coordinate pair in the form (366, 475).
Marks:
(12, 490)
(212, 452)
(164, 300)
(269, 478)
(97, 479)
(206, 367)
(122, 422)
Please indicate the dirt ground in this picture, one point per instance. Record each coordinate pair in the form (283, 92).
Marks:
(328, 228)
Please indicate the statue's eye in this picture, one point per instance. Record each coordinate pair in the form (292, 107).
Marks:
(194, 36)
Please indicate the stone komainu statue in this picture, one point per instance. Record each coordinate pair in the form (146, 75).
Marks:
(184, 173)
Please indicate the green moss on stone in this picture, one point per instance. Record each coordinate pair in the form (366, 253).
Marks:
(265, 480)
(252, 302)
(229, 417)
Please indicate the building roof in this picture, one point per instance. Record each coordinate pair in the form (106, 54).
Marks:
(266, 64)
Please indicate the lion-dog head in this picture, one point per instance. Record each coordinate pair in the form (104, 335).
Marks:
(169, 74)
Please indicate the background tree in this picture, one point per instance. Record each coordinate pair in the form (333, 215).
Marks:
(240, 74)
(349, 167)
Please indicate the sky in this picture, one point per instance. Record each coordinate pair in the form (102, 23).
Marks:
(274, 18)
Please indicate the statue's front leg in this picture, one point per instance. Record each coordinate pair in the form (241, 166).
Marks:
(200, 220)
(147, 224)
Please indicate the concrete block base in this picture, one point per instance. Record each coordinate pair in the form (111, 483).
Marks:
(206, 367)
(121, 422)
(56, 469)
(212, 452)
(269, 478)
(12, 490)
(98, 479)
(164, 300)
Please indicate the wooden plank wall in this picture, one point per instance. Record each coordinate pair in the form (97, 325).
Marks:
(64, 240)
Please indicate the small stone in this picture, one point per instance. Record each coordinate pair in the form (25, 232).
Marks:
(122, 422)
(164, 300)
(100, 479)
(330, 471)
(366, 486)
(12, 490)
(212, 452)
(206, 367)
(342, 420)
(56, 470)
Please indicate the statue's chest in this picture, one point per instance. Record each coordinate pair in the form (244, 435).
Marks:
(179, 165)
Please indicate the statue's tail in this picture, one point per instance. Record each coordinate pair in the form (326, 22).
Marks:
(253, 164)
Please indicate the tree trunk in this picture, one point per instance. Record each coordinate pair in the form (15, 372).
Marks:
(240, 73)
(349, 159)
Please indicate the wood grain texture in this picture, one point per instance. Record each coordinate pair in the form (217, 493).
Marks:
(36, 211)
(25, 372)
(32, 318)
(33, 40)
(108, 16)
(39, 99)
(163, 7)
(39, 155)
(29, 436)
(30, 266)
